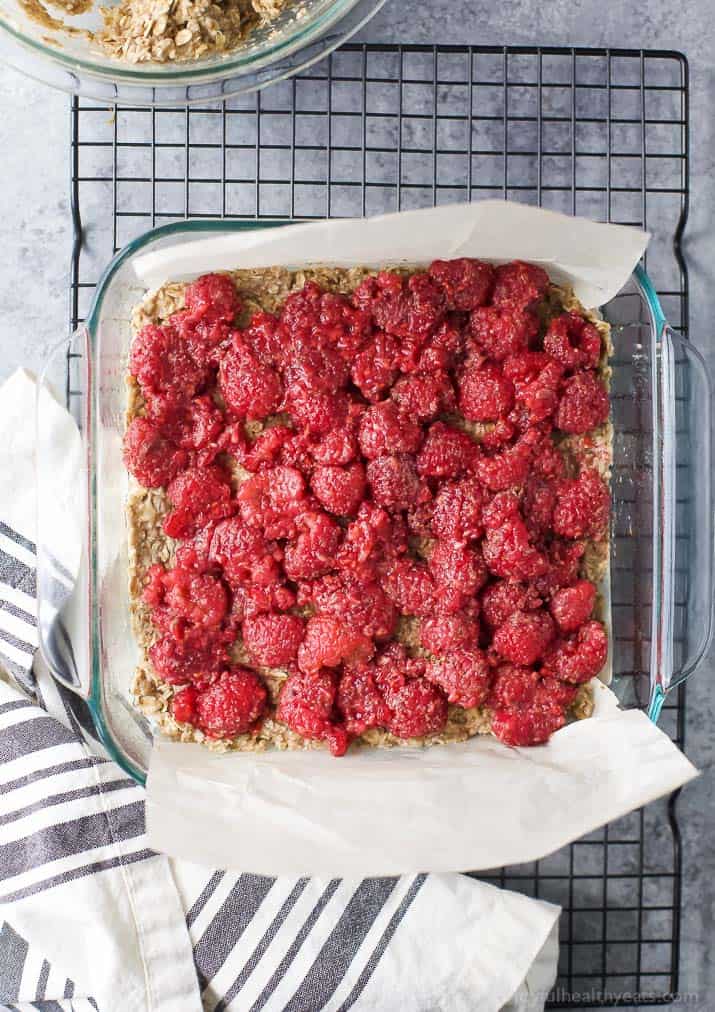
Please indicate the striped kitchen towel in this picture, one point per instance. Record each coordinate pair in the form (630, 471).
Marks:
(90, 918)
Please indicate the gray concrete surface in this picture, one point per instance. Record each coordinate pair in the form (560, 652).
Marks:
(35, 244)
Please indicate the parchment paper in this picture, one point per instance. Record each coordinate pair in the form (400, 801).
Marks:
(476, 805)
(597, 259)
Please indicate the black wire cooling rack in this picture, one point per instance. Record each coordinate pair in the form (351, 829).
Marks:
(377, 128)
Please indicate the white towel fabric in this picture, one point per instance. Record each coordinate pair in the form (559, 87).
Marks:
(90, 918)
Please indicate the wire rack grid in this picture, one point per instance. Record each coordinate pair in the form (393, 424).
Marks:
(377, 128)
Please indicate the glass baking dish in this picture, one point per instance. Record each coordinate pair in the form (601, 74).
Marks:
(661, 563)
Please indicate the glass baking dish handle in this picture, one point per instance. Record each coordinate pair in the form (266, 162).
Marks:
(64, 505)
(683, 510)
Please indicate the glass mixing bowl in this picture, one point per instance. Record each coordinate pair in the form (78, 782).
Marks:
(302, 34)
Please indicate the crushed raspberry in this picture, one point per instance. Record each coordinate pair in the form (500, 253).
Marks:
(196, 425)
(334, 321)
(410, 586)
(195, 658)
(564, 561)
(371, 540)
(582, 507)
(437, 354)
(464, 675)
(536, 379)
(502, 331)
(419, 515)
(524, 636)
(243, 553)
(375, 368)
(339, 489)
(266, 449)
(362, 605)
(376, 287)
(272, 500)
(314, 368)
(361, 470)
(212, 297)
(250, 389)
(313, 357)
(458, 573)
(207, 338)
(194, 552)
(579, 657)
(300, 312)
(538, 505)
(251, 600)
(485, 394)
(519, 284)
(149, 455)
(447, 452)
(422, 396)
(265, 339)
(502, 432)
(465, 283)
(313, 552)
(385, 429)
(163, 367)
(153, 593)
(506, 469)
(198, 598)
(508, 552)
(445, 633)
(307, 706)
(583, 405)
(231, 705)
(393, 481)
(447, 340)
(273, 639)
(297, 452)
(418, 709)
(183, 704)
(457, 510)
(343, 325)
(513, 686)
(394, 666)
(552, 690)
(509, 467)
(504, 597)
(337, 447)
(521, 369)
(548, 462)
(411, 310)
(527, 725)
(317, 411)
(573, 341)
(329, 642)
(572, 606)
(360, 702)
(501, 507)
(198, 496)
(418, 706)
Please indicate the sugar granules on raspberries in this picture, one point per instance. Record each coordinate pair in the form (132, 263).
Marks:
(355, 521)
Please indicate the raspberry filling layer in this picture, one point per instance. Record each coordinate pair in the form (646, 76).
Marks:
(355, 466)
